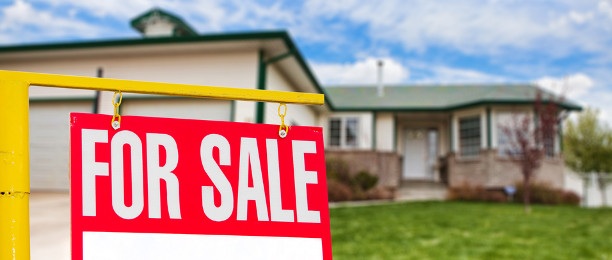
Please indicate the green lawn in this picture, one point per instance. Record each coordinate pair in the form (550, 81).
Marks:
(455, 230)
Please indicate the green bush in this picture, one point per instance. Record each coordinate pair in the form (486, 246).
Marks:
(570, 198)
(467, 192)
(338, 169)
(365, 181)
(542, 193)
(342, 185)
(338, 191)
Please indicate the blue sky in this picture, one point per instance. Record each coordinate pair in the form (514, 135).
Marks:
(563, 45)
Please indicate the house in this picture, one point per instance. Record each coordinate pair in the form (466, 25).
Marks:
(169, 51)
(439, 133)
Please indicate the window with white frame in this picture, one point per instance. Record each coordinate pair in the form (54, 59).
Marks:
(335, 131)
(344, 132)
(549, 145)
(507, 124)
(549, 134)
(469, 136)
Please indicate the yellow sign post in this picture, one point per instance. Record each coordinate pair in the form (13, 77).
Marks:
(14, 140)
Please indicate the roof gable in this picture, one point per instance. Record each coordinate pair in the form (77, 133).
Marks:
(157, 15)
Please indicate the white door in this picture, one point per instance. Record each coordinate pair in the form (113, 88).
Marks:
(50, 142)
(415, 154)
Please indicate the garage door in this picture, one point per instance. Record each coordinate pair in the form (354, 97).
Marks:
(50, 142)
(49, 130)
(178, 108)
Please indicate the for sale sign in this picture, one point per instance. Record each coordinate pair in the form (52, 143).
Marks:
(160, 188)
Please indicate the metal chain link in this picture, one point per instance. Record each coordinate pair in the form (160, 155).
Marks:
(116, 121)
(283, 129)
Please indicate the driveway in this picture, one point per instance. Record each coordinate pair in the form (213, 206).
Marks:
(49, 225)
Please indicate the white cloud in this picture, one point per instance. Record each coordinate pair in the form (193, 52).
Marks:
(599, 99)
(361, 72)
(469, 26)
(479, 27)
(580, 18)
(573, 86)
(440, 74)
(204, 15)
(24, 22)
(119, 9)
(583, 89)
(605, 7)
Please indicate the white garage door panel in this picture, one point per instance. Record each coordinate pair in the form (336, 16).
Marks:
(50, 142)
(178, 108)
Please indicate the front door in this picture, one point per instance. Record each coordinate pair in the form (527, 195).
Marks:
(415, 155)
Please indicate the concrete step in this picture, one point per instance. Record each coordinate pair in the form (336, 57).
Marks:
(420, 190)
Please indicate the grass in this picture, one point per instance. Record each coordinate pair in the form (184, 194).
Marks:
(456, 230)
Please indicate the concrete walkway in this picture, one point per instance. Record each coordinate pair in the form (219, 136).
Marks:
(50, 217)
(49, 226)
(418, 191)
(412, 191)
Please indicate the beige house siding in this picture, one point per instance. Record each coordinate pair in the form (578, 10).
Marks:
(193, 63)
(489, 170)
(237, 69)
(192, 108)
(385, 165)
(296, 114)
(385, 125)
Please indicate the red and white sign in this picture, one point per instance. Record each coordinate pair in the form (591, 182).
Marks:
(160, 188)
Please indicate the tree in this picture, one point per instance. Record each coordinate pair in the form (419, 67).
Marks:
(588, 147)
(530, 137)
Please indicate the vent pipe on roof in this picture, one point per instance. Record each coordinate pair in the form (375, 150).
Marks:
(381, 90)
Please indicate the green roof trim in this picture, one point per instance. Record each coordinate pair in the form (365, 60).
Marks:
(181, 29)
(425, 98)
(240, 36)
(146, 41)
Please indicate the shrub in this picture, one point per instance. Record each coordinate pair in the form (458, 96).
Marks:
(380, 193)
(495, 196)
(338, 191)
(365, 181)
(342, 185)
(467, 192)
(542, 193)
(570, 198)
(338, 169)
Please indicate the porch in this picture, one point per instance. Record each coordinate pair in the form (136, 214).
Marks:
(388, 167)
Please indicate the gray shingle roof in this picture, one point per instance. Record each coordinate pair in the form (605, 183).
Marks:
(435, 97)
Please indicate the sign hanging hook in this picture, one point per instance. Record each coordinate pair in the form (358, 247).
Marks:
(116, 121)
(283, 129)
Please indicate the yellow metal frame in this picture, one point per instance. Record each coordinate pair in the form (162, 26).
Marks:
(14, 136)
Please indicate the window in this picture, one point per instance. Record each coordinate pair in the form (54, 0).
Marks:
(469, 136)
(343, 132)
(549, 146)
(334, 132)
(505, 123)
(432, 149)
(506, 145)
(351, 132)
